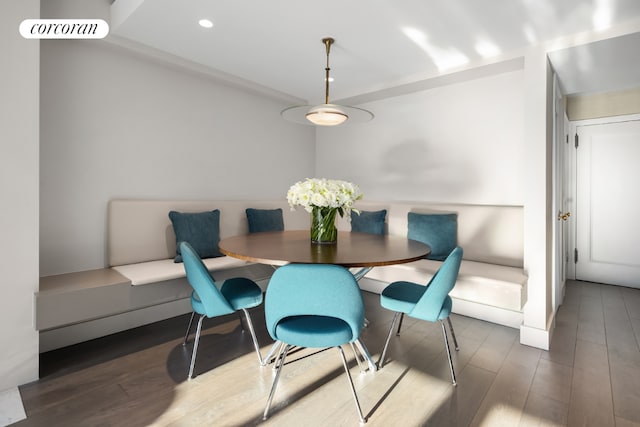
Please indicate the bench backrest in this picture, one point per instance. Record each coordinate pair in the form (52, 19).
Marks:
(487, 233)
(140, 230)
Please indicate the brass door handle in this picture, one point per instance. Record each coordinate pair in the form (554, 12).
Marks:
(564, 216)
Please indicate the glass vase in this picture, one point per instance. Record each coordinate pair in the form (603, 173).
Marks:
(323, 226)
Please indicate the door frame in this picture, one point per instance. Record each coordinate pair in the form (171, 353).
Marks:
(560, 139)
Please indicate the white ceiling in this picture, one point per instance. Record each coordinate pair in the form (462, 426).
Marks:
(380, 44)
(603, 66)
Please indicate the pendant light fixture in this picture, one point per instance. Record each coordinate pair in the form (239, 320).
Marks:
(326, 114)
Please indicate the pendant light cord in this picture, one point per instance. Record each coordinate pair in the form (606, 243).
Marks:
(327, 42)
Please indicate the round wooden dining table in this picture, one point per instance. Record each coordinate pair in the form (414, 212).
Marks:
(351, 250)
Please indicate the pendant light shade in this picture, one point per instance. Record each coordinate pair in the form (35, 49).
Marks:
(326, 114)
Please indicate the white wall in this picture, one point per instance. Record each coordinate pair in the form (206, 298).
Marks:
(19, 194)
(483, 141)
(461, 143)
(538, 218)
(116, 124)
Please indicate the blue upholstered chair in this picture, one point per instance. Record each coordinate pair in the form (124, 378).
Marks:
(209, 301)
(317, 306)
(431, 303)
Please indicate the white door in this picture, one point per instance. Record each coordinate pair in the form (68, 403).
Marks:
(563, 207)
(608, 203)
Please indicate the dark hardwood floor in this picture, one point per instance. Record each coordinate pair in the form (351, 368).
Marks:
(590, 377)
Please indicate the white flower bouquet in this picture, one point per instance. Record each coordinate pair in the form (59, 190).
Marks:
(324, 193)
(323, 198)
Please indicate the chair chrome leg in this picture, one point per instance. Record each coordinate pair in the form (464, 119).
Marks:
(276, 345)
(195, 346)
(356, 353)
(386, 343)
(353, 389)
(453, 334)
(279, 355)
(446, 344)
(367, 356)
(186, 336)
(265, 415)
(253, 335)
(400, 324)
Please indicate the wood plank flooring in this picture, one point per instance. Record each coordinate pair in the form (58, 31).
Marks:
(590, 377)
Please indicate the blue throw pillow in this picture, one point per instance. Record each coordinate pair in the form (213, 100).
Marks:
(201, 230)
(439, 231)
(368, 221)
(264, 220)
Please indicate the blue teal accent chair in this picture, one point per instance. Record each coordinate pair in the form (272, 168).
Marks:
(313, 305)
(431, 303)
(208, 300)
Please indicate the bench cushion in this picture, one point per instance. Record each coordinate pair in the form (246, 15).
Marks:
(436, 230)
(201, 230)
(260, 220)
(165, 269)
(368, 221)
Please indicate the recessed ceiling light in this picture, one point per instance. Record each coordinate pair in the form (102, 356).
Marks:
(205, 23)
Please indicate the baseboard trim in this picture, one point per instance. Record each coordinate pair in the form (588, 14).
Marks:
(535, 337)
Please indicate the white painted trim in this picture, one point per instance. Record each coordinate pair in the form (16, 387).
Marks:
(422, 83)
(603, 120)
(534, 337)
(512, 319)
(121, 10)
(185, 65)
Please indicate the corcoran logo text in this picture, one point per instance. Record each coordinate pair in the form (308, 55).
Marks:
(64, 29)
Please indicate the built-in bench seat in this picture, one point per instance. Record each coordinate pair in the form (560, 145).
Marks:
(143, 284)
(143, 273)
(62, 299)
(486, 291)
(492, 284)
